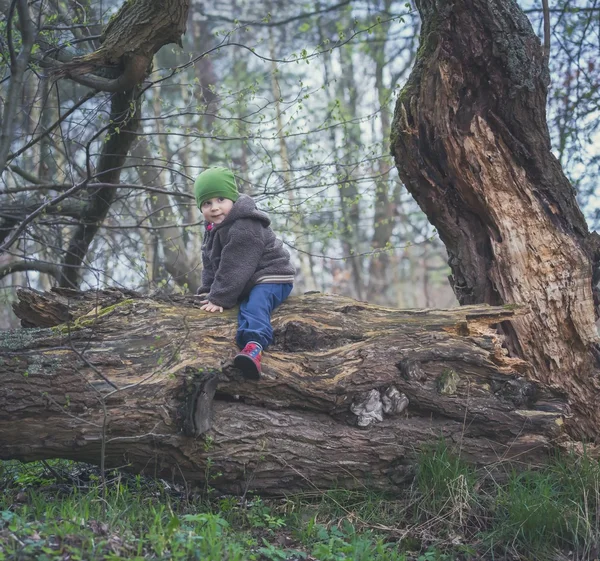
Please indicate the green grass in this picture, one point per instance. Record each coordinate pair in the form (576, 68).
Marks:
(555, 507)
(59, 510)
(445, 483)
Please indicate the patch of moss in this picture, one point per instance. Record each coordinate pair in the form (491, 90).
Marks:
(447, 382)
(90, 318)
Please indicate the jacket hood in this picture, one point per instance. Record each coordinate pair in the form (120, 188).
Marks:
(245, 207)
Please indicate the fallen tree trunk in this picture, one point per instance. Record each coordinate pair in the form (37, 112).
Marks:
(350, 391)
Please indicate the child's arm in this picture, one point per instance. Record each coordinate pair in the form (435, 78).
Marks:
(207, 280)
(239, 260)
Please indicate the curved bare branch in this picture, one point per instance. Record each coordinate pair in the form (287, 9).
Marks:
(25, 265)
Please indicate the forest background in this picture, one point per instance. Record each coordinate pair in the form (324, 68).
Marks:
(297, 98)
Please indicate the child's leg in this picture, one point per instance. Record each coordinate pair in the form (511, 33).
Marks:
(254, 317)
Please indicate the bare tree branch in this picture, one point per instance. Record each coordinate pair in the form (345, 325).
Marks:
(546, 10)
(40, 266)
(72, 208)
(133, 74)
(24, 174)
(133, 186)
(75, 107)
(266, 22)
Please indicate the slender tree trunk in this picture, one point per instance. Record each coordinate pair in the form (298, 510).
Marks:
(380, 271)
(129, 41)
(200, 39)
(19, 61)
(472, 146)
(348, 194)
(124, 118)
(297, 218)
(347, 95)
(183, 267)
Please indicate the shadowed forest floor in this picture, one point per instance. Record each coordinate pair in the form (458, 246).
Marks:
(61, 510)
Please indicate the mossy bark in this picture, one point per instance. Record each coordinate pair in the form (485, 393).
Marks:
(349, 393)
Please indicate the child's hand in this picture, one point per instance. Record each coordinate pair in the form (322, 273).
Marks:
(210, 307)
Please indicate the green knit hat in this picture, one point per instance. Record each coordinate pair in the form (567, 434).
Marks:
(215, 182)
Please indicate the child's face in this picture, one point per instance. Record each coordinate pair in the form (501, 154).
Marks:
(216, 210)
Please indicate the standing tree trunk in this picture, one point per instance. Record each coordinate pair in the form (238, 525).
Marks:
(181, 265)
(129, 41)
(380, 262)
(472, 146)
(122, 131)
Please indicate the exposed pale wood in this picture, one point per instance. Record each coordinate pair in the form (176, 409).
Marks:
(472, 146)
(297, 427)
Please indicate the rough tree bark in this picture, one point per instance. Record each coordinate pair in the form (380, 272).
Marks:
(18, 68)
(129, 42)
(137, 376)
(471, 144)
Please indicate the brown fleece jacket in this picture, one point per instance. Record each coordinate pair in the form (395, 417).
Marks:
(240, 252)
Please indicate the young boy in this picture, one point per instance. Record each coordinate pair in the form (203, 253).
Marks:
(242, 262)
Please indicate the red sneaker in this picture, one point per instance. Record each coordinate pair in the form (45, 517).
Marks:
(248, 360)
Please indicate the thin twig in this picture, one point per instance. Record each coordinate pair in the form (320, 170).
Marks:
(85, 98)
(546, 10)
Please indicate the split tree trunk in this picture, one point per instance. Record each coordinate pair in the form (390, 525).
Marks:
(137, 374)
(472, 146)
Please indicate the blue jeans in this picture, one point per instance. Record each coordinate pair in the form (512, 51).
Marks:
(254, 317)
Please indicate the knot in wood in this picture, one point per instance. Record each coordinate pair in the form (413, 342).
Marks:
(299, 336)
(411, 370)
